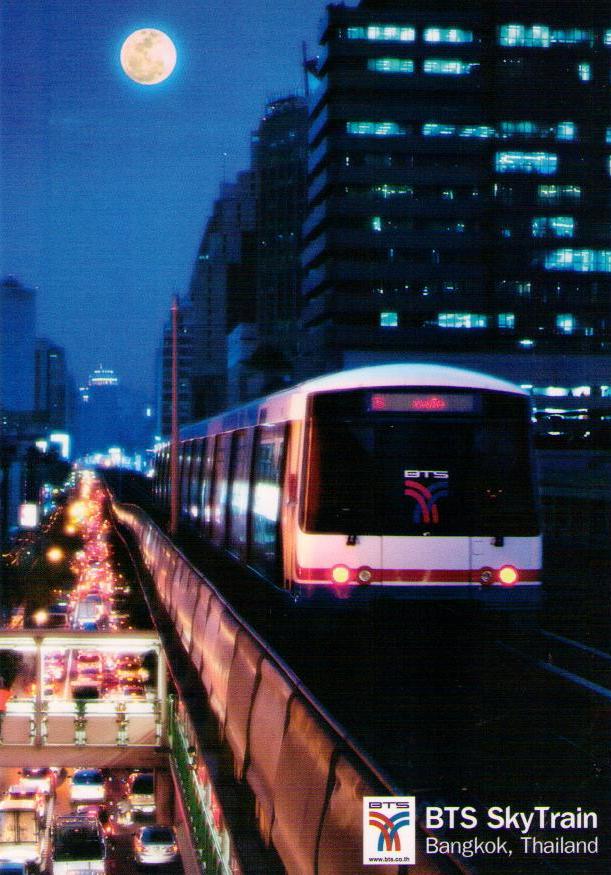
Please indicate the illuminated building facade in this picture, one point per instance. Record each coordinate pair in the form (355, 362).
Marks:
(460, 189)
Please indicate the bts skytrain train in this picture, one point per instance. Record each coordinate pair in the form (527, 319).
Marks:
(409, 480)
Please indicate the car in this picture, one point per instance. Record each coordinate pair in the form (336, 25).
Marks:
(88, 659)
(155, 845)
(140, 792)
(42, 779)
(130, 668)
(14, 867)
(88, 785)
(86, 689)
(88, 626)
(79, 845)
(132, 691)
(97, 811)
(22, 791)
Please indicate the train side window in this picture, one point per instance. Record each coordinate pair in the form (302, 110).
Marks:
(185, 468)
(268, 471)
(197, 459)
(239, 491)
(219, 497)
(165, 477)
(207, 484)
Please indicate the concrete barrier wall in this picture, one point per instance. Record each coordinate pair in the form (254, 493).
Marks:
(308, 781)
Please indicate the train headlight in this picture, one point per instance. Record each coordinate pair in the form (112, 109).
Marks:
(340, 574)
(486, 576)
(364, 575)
(508, 575)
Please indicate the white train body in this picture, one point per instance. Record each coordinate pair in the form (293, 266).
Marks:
(406, 479)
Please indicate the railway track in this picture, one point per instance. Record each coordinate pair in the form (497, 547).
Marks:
(580, 665)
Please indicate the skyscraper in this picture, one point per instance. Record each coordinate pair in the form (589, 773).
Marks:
(222, 290)
(50, 384)
(17, 343)
(459, 189)
(279, 163)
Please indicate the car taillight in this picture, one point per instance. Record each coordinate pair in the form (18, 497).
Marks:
(508, 575)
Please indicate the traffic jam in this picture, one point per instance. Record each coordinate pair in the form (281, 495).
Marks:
(64, 821)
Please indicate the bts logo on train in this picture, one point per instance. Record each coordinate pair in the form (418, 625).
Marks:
(424, 475)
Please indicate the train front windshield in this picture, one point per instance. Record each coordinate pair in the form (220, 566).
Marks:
(420, 462)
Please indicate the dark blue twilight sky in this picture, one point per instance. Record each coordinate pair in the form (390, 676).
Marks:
(106, 185)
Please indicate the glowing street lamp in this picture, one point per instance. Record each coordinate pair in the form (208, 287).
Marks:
(55, 555)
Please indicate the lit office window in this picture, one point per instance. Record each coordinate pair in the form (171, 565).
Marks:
(566, 131)
(480, 132)
(462, 320)
(375, 129)
(434, 129)
(506, 320)
(390, 65)
(565, 322)
(553, 226)
(388, 191)
(383, 33)
(520, 129)
(526, 162)
(447, 35)
(572, 36)
(557, 193)
(447, 67)
(578, 260)
(532, 36)
(389, 319)
(584, 71)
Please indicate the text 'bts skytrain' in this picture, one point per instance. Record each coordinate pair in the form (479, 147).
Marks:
(410, 480)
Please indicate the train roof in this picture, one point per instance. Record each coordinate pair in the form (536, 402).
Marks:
(283, 403)
(406, 374)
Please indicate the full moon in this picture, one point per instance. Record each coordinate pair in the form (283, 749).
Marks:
(148, 56)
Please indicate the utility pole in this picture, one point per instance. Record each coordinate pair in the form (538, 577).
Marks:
(174, 482)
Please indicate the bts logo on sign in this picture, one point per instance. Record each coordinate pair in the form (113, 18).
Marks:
(389, 830)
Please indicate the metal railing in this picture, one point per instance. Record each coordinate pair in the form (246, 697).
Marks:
(211, 839)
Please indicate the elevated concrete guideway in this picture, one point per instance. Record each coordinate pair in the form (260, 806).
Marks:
(102, 732)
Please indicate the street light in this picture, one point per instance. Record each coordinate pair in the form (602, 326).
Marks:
(54, 555)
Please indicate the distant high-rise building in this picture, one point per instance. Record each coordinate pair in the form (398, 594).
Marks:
(222, 290)
(17, 344)
(100, 425)
(185, 369)
(459, 189)
(279, 164)
(50, 384)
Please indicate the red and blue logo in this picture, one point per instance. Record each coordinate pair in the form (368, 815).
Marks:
(426, 498)
(389, 830)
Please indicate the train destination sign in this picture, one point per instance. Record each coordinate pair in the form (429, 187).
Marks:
(419, 402)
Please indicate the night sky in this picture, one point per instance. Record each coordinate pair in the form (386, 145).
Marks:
(106, 184)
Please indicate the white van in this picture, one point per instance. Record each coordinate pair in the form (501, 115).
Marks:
(20, 831)
(79, 845)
